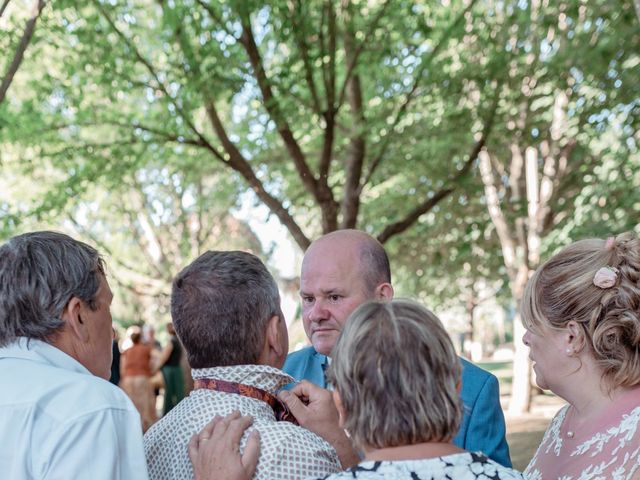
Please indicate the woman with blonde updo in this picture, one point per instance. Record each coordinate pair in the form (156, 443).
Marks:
(581, 310)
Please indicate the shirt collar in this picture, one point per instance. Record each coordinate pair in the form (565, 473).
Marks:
(260, 376)
(38, 351)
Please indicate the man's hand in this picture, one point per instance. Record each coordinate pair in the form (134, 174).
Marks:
(314, 410)
(215, 451)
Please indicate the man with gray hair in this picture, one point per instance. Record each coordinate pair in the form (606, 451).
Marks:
(59, 416)
(226, 312)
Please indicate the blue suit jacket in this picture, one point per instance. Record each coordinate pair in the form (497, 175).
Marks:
(482, 425)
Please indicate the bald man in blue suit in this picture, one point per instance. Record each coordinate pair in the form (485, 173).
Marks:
(346, 268)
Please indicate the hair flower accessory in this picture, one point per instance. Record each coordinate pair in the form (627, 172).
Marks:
(605, 277)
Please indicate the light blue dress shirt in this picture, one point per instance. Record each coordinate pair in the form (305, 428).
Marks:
(58, 421)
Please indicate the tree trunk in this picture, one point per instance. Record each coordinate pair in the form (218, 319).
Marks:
(521, 386)
(36, 10)
(470, 327)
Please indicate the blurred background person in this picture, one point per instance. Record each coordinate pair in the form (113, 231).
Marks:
(170, 359)
(157, 380)
(136, 369)
(581, 310)
(115, 359)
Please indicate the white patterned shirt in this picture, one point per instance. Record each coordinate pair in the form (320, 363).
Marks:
(459, 466)
(287, 451)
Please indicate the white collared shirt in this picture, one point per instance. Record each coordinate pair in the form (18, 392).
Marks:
(60, 422)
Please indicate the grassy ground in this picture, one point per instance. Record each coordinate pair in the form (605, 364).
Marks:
(524, 432)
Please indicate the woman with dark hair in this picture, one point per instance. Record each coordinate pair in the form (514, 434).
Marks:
(170, 359)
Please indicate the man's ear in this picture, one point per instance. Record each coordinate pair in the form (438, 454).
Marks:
(72, 316)
(384, 292)
(274, 340)
(342, 415)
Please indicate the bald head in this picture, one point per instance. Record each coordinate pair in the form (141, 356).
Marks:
(371, 262)
(340, 271)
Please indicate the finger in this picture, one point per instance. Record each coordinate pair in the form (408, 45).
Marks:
(295, 405)
(207, 430)
(236, 429)
(304, 388)
(251, 453)
(192, 448)
(222, 426)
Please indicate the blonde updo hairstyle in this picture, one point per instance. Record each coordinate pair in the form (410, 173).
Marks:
(397, 373)
(562, 290)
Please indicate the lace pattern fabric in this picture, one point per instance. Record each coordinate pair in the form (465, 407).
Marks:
(609, 450)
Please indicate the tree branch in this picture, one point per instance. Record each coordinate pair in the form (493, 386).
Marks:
(156, 77)
(304, 54)
(171, 137)
(18, 56)
(319, 189)
(546, 212)
(215, 17)
(357, 51)
(328, 205)
(412, 217)
(94, 146)
(331, 65)
(271, 104)
(412, 93)
(4, 6)
(496, 213)
(355, 161)
(238, 163)
(428, 204)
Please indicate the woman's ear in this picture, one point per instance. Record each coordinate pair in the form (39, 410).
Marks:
(575, 337)
(337, 400)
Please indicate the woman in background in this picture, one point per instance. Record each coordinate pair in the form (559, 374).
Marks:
(170, 358)
(581, 310)
(136, 369)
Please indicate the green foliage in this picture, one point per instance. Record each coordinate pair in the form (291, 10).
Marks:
(333, 114)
